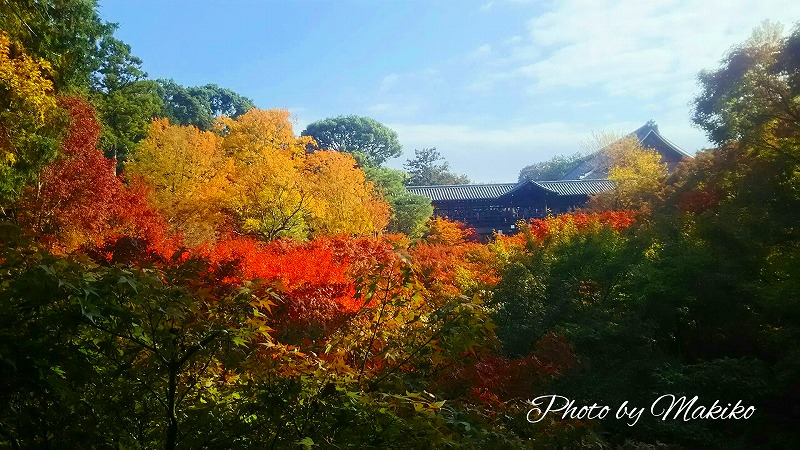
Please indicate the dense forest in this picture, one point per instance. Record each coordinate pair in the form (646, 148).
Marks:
(178, 268)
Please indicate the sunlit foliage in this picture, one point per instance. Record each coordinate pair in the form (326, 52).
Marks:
(79, 201)
(29, 117)
(188, 172)
(637, 172)
(237, 291)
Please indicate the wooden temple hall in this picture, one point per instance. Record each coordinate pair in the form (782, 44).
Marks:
(497, 207)
(490, 208)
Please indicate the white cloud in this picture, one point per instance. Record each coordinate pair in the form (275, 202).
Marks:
(487, 6)
(586, 65)
(481, 52)
(634, 48)
(627, 47)
(608, 61)
(388, 82)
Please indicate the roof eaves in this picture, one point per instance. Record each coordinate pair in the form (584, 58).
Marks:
(670, 143)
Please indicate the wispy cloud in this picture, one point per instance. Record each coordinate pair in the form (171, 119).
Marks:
(629, 47)
(388, 82)
(615, 60)
(543, 84)
(481, 52)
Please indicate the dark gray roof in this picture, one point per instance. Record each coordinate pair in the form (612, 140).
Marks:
(595, 166)
(462, 191)
(577, 187)
(497, 190)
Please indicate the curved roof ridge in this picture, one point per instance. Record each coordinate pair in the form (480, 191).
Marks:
(462, 191)
(524, 183)
(649, 126)
(539, 183)
(670, 143)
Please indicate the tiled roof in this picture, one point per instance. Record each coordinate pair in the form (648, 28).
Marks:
(462, 191)
(577, 187)
(490, 191)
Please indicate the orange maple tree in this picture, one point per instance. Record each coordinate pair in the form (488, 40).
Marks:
(449, 262)
(316, 279)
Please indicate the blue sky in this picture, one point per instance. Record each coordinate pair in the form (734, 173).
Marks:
(494, 85)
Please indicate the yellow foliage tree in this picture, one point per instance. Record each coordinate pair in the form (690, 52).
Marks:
(637, 172)
(345, 201)
(188, 171)
(270, 198)
(256, 177)
(279, 191)
(446, 232)
(30, 124)
(260, 132)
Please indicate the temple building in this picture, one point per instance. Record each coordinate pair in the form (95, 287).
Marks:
(490, 208)
(596, 165)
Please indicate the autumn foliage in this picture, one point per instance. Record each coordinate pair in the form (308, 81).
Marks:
(233, 287)
(187, 173)
(448, 263)
(29, 118)
(563, 226)
(253, 177)
(80, 202)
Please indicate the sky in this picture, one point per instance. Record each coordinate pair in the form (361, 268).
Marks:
(494, 85)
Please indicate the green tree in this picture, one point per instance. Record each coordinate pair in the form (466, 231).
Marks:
(126, 113)
(117, 67)
(200, 105)
(409, 212)
(426, 170)
(121, 355)
(66, 33)
(552, 169)
(78, 44)
(126, 102)
(86, 58)
(354, 134)
(31, 123)
(753, 97)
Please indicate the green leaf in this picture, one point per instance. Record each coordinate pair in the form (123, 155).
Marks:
(307, 442)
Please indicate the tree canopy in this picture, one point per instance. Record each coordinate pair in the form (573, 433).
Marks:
(85, 57)
(552, 169)
(200, 105)
(356, 134)
(68, 34)
(754, 93)
(425, 169)
(409, 212)
(255, 179)
(637, 172)
(30, 125)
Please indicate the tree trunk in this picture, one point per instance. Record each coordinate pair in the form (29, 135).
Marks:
(172, 418)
